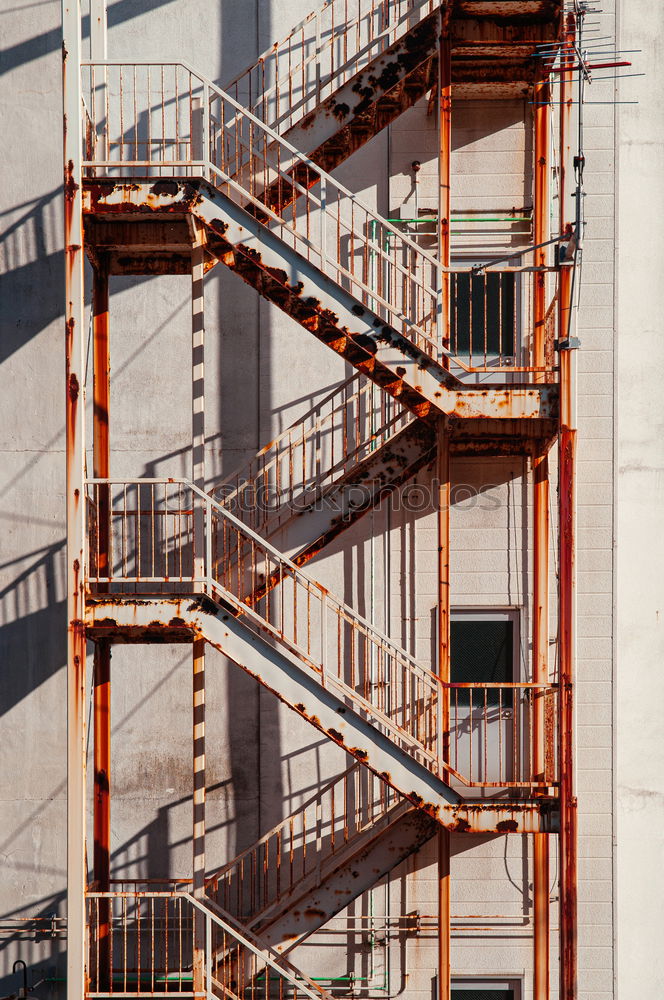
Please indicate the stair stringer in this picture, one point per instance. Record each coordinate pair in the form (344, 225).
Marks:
(323, 307)
(319, 516)
(382, 848)
(327, 708)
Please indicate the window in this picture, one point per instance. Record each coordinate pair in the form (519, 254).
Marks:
(483, 649)
(484, 989)
(483, 316)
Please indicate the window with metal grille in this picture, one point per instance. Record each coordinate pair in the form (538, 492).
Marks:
(483, 315)
(482, 651)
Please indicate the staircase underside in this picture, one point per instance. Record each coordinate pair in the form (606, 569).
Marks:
(356, 869)
(298, 288)
(172, 619)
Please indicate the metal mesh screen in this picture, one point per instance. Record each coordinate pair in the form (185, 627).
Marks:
(482, 651)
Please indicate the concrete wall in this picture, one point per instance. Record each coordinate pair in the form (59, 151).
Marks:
(639, 553)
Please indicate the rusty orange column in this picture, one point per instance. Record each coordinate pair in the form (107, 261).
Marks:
(444, 170)
(443, 618)
(102, 653)
(567, 568)
(541, 224)
(567, 626)
(540, 676)
(443, 475)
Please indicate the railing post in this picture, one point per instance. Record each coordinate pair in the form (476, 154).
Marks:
(208, 957)
(318, 73)
(323, 224)
(206, 137)
(197, 126)
(323, 638)
(208, 569)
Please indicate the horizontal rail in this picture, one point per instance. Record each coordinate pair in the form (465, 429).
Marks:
(146, 943)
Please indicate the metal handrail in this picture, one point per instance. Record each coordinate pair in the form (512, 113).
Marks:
(346, 29)
(340, 431)
(292, 857)
(229, 949)
(167, 535)
(177, 119)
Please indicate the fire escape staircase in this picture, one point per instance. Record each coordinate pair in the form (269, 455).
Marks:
(246, 171)
(320, 858)
(336, 462)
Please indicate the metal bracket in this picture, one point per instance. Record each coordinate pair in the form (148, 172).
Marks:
(569, 344)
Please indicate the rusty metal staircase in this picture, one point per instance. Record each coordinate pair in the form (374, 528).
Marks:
(342, 74)
(320, 475)
(335, 846)
(348, 276)
(171, 160)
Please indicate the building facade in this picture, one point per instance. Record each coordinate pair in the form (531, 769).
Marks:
(360, 563)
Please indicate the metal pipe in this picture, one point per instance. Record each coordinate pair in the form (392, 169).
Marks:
(541, 227)
(443, 621)
(75, 456)
(444, 173)
(567, 573)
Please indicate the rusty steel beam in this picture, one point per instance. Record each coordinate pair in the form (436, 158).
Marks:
(75, 458)
(444, 168)
(540, 669)
(567, 565)
(354, 868)
(102, 651)
(542, 118)
(443, 519)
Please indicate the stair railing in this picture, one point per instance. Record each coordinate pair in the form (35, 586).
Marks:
(162, 529)
(144, 943)
(307, 458)
(291, 857)
(327, 48)
(154, 547)
(165, 120)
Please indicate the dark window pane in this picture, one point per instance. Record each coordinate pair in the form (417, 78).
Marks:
(482, 651)
(483, 315)
(487, 994)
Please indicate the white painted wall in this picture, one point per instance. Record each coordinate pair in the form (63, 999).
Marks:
(639, 551)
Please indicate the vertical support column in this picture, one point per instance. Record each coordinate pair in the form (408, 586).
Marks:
(102, 655)
(201, 570)
(443, 477)
(75, 458)
(98, 30)
(198, 404)
(541, 223)
(199, 808)
(567, 564)
(444, 173)
(540, 748)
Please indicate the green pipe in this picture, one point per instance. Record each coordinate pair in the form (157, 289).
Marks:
(507, 218)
